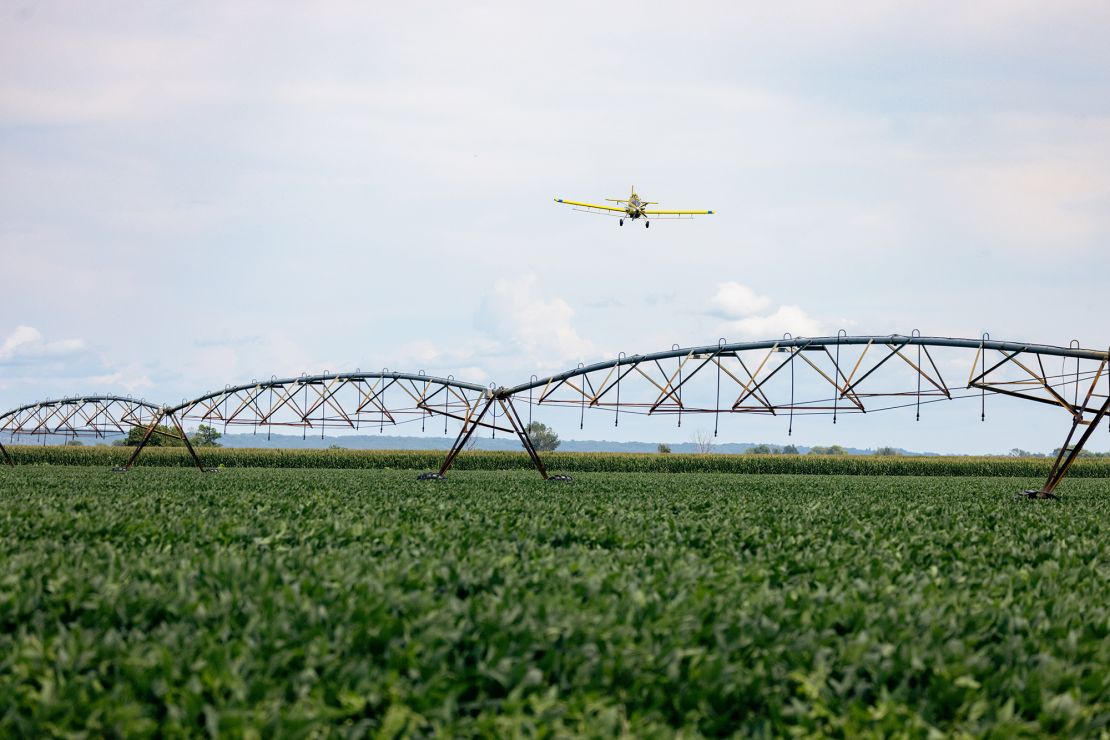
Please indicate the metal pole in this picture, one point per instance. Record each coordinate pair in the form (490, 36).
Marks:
(7, 457)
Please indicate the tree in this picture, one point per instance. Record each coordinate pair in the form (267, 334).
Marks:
(1082, 453)
(887, 452)
(74, 443)
(760, 449)
(790, 450)
(543, 438)
(663, 448)
(830, 450)
(163, 437)
(206, 436)
(703, 442)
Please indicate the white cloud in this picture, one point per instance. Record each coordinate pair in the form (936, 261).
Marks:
(530, 326)
(735, 301)
(440, 360)
(786, 319)
(131, 378)
(418, 157)
(216, 362)
(27, 344)
(471, 374)
(747, 315)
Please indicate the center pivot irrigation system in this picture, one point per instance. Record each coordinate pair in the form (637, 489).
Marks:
(788, 377)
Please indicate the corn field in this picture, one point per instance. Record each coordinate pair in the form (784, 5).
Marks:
(563, 461)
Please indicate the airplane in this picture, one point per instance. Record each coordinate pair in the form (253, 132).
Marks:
(633, 208)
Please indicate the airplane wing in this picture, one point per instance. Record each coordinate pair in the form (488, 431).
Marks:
(679, 213)
(594, 206)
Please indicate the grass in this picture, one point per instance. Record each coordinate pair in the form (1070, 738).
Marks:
(361, 601)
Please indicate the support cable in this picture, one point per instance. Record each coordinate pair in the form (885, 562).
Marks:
(793, 352)
(717, 403)
(1074, 344)
(917, 333)
(679, 397)
(381, 405)
(582, 390)
(358, 397)
(424, 416)
(983, 373)
(617, 411)
(445, 398)
(532, 379)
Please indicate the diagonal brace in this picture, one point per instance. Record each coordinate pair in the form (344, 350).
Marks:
(1067, 455)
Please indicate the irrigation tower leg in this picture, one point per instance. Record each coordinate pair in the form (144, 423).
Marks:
(471, 424)
(465, 433)
(152, 430)
(189, 445)
(7, 458)
(522, 432)
(1068, 455)
(142, 443)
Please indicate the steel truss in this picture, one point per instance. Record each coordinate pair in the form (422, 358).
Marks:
(792, 376)
(80, 416)
(796, 376)
(352, 401)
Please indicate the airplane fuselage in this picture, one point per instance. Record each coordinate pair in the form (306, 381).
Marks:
(635, 207)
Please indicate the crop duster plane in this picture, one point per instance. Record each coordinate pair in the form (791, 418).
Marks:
(633, 208)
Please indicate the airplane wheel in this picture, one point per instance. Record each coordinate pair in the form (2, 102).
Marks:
(647, 224)
(622, 222)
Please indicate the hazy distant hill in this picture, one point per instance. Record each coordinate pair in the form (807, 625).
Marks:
(389, 442)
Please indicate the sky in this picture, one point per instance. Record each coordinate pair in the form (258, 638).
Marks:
(200, 193)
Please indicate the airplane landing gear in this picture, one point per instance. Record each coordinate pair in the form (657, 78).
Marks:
(622, 222)
(647, 224)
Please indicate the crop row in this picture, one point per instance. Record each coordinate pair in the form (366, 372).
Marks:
(363, 603)
(562, 461)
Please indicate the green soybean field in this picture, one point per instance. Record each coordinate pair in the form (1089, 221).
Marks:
(361, 602)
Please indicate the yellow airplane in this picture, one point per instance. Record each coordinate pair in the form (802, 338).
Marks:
(633, 208)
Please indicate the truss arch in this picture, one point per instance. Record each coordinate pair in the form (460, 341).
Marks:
(789, 376)
(836, 375)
